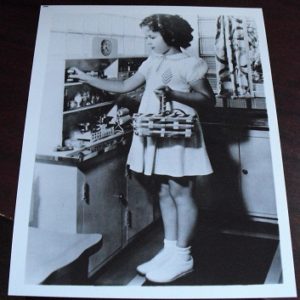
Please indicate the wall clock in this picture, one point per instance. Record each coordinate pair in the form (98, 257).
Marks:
(106, 47)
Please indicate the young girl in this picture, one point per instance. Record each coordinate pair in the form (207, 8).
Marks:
(172, 163)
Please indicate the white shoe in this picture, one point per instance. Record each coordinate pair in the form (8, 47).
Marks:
(158, 259)
(172, 269)
(153, 263)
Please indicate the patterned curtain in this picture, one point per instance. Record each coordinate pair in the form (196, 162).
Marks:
(234, 74)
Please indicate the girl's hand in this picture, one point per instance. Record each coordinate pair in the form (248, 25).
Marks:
(75, 73)
(164, 91)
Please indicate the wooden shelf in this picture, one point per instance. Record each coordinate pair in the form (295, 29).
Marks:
(92, 106)
(73, 83)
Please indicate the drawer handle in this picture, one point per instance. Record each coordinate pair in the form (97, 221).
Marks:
(86, 193)
(245, 172)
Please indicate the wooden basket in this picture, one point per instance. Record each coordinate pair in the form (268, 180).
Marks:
(173, 125)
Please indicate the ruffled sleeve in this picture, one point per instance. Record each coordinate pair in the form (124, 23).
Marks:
(195, 69)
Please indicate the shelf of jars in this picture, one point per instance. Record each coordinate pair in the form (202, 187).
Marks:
(87, 107)
(79, 97)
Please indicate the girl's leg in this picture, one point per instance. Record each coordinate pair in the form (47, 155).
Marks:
(180, 261)
(159, 186)
(168, 212)
(187, 210)
(169, 217)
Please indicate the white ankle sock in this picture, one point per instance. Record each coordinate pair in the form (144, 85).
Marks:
(170, 243)
(184, 252)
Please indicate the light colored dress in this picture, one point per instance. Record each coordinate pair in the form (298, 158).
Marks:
(176, 157)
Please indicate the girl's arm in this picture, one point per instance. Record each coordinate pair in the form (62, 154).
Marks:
(115, 86)
(201, 95)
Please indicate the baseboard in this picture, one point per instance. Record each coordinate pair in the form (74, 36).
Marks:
(239, 224)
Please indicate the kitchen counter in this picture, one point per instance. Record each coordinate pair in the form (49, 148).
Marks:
(86, 152)
(254, 119)
(220, 117)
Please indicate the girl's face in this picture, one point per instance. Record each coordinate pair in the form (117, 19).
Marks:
(155, 41)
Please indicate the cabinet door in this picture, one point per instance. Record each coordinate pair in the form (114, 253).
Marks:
(257, 181)
(102, 209)
(220, 191)
(140, 207)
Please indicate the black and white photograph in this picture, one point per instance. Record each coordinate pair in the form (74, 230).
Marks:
(151, 163)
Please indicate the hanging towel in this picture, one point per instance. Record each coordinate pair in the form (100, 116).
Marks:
(232, 61)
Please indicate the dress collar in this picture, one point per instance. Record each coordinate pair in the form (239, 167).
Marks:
(174, 56)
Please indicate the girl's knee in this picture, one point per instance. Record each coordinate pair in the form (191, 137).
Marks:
(179, 187)
(164, 192)
(181, 190)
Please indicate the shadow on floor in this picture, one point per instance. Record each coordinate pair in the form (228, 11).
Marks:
(220, 259)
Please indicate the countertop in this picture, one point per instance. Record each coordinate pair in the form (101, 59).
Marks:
(219, 117)
(89, 151)
(238, 118)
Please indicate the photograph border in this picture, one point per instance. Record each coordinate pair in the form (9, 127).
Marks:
(22, 211)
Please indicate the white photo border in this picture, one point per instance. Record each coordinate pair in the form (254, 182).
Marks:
(17, 271)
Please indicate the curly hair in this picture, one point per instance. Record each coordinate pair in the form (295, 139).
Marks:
(175, 31)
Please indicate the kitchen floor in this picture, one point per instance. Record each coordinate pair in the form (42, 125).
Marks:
(223, 255)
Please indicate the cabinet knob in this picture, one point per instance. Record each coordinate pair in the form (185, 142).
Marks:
(245, 171)
(122, 199)
(80, 157)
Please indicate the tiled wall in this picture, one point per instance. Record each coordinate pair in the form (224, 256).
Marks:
(75, 34)
(71, 38)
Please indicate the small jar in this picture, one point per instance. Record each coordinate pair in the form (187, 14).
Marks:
(78, 99)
